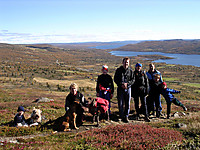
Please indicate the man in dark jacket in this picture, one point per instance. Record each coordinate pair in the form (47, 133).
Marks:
(75, 95)
(124, 78)
(140, 89)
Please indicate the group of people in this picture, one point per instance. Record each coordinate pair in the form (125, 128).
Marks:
(141, 85)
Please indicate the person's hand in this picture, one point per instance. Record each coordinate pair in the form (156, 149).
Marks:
(124, 85)
(111, 96)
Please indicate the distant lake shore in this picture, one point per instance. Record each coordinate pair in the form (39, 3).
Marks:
(181, 59)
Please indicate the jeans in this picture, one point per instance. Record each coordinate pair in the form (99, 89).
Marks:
(124, 98)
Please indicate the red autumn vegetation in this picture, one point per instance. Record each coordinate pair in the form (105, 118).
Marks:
(130, 136)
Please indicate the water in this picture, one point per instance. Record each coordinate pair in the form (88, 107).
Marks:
(181, 59)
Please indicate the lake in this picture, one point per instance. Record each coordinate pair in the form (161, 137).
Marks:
(181, 59)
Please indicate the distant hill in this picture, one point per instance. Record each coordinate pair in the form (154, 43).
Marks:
(166, 46)
(96, 45)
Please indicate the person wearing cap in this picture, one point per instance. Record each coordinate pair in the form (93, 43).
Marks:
(151, 74)
(75, 95)
(140, 90)
(19, 119)
(169, 97)
(105, 86)
(124, 78)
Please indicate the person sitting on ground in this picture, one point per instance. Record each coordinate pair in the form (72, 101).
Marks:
(154, 96)
(105, 86)
(169, 97)
(19, 119)
(139, 90)
(75, 95)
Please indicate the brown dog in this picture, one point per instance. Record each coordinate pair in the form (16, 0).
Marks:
(71, 117)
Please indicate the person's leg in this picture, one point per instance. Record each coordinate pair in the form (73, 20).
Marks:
(120, 97)
(157, 104)
(107, 97)
(136, 101)
(160, 105)
(168, 109)
(127, 99)
(178, 103)
(143, 101)
(150, 104)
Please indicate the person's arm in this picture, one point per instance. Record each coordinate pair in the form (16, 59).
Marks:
(97, 87)
(84, 102)
(117, 78)
(132, 79)
(146, 83)
(112, 85)
(173, 91)
(67, 104)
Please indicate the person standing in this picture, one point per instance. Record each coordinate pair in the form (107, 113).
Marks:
(124, 78)
(140, 90)
(153, 99)
(151, 74)
(105, 86)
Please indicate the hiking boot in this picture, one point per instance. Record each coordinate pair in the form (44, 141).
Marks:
(147, 119)
(161, 114)
(184, 108)
(125, 119)
(168, 116)
(157, 114)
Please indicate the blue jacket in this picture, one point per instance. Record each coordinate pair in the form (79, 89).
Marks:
(150, 75)
(167, 94)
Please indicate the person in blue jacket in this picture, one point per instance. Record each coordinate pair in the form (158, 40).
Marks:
(151, 73)
(169, 97)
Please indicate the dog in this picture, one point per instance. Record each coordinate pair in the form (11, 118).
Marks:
(71, 119)
(97, 107)
(36, 117)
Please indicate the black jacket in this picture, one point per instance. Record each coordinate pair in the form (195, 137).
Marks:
(124, 76)
(71, 98)
(106, 81)
(141, 84)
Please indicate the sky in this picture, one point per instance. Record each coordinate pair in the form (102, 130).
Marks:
(67, 21)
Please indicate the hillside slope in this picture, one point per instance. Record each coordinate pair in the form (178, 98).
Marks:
(167, 46)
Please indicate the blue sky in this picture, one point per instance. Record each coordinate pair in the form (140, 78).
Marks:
(65, 21)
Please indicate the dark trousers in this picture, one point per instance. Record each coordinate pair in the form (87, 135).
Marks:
(176, 102)
(124, 98)
(153, 101)
(143, 105)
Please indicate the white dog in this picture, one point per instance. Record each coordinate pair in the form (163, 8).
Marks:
(36, 117)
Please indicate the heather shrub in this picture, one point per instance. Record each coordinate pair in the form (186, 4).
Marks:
(14, 131)
(129, 136)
